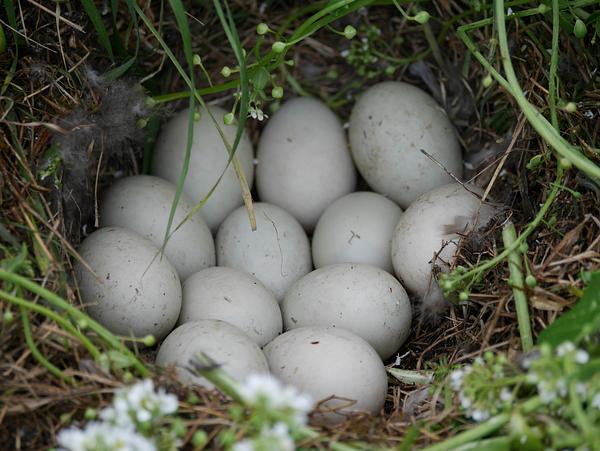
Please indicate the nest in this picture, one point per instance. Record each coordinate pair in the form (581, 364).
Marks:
(57, 103)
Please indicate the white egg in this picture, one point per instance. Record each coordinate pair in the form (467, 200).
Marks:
(208, 160)
(356, 228)
(389, 125)
(303, 160)
(135, 292)
(226, 345)
(235, 297)
(360, 298)
(429, 231)
(142, 203)
(277, 253)
(330, 363)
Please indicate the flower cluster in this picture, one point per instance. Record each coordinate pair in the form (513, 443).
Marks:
(99, 436)
(139, 405)
(362, 54)
(481, 386)
(275, 438)
(131, 423)
(559, 378)
(266, 394)
(276, 411)
(553, 372)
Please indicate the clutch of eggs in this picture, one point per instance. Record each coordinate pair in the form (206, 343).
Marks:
(350, 312)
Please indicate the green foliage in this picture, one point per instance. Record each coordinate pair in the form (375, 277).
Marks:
(94, 15)
(581, 321)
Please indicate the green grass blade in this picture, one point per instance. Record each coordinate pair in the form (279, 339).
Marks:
(184, 30)
(228, 25)
(94, 15)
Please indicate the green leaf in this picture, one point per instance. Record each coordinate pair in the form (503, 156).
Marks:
(118, 71)
(260, 78)
(118, 359)
(96, 19)
(578, 323)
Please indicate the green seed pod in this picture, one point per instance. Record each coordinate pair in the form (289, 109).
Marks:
(149, 340)
(543, 9)
(199, 439)
(149, 102)
(579, 29)
(389, 71)
(531, 281)
(349, 32)
(277, 92)
(487, 81)
(422, 17)
(262, 29)
(197, 116)
(447, 285)
(178, 427)
(570, 107)
(278, 47)
(565, 163)
(228, 119)
(463, 296)
(127, 377)
(196, 60)
(8, 316)
(226, 71)
(90, 414)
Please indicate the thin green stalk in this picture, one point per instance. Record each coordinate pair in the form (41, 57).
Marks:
(552, 88)
(515, 264)
(535, 118)
(64, 323)
(79, 316)
(484, 429)
(475, 272)
(35, 352)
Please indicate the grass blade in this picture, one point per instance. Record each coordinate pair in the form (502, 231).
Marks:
(94, 15)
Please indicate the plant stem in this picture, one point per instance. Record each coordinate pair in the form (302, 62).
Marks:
(78, 315)
(35, 352)
(484, 429)
(478, 270)
(552, 88)
(64, 323)
(535, 118)
(515, 264)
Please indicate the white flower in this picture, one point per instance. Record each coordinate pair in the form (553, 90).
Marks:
(581, 389)
(244, 445)
(465, 402)
(344, 53)
(266, 391)
(565, 348)
(139, 403)
(480, 415)
(546, 392)
(582, 357)
(456, 379)
(532, 378)
(100, 436)
(505, 395)
(561, 387)
(596, 401)
(276, 438)
(257, 113)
